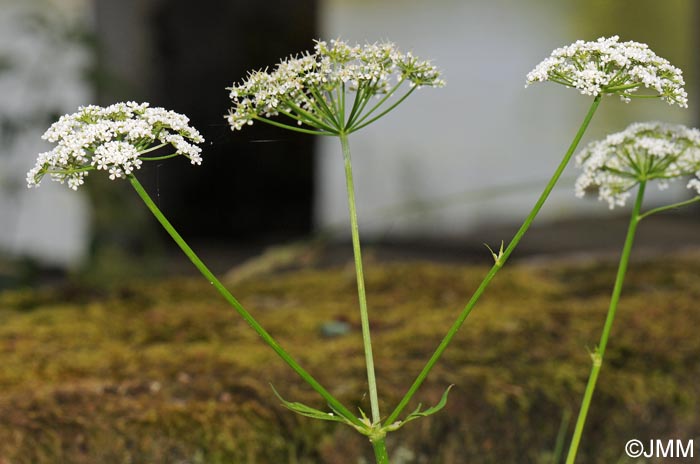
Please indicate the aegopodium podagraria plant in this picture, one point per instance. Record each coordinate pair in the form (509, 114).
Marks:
(335, 91)
(616, 166)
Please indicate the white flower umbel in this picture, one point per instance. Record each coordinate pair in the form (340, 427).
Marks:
(314, 89)
(610, 67)
(624, 161)
(112, 139)
(640, 153)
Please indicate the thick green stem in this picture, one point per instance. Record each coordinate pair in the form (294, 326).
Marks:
(286, 357)
(496, 267)
(605, 335)
(380, 453)
(364, 315)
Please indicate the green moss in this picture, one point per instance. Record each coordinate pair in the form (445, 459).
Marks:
(165, 372)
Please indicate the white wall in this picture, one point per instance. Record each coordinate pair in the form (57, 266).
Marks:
(43, 77)
(480, 150)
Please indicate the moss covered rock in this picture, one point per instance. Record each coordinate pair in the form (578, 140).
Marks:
(165, 372)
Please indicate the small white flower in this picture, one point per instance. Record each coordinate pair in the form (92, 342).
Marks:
(642, 152)
(695, 183)
(610, 67)
(112, 139)
(311, 88)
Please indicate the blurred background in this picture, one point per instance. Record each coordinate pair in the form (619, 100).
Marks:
(102, 360)
(453, 168)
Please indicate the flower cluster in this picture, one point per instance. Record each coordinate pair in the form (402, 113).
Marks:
(311, 88)
(112, 139)
(610, 67)
(642, 152)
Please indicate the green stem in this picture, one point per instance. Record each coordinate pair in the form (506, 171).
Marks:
(380, 453)
(364, 315)
(496, 267)
(70, 171)
(561, 437)
(620, 87)
(143, 152)
(364, 116)
(341, 101)
(360, 124)
(317, 97)
(634, 95)
(305, 117)
(158, 158)
(292, 128)
(666, 208)
(358, 104)
(605, 335)
(286, 357)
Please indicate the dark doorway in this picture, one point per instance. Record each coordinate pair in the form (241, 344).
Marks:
(255, 184)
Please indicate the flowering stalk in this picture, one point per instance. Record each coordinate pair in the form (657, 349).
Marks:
(641, 153)
(599, 353)
(114, 139)
(255, 325)
(364, 314)
(330, 93)
(500, 259)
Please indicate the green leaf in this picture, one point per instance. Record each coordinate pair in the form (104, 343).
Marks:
(308, 411)
(417, 414)
(496, 256)
(441, 404)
